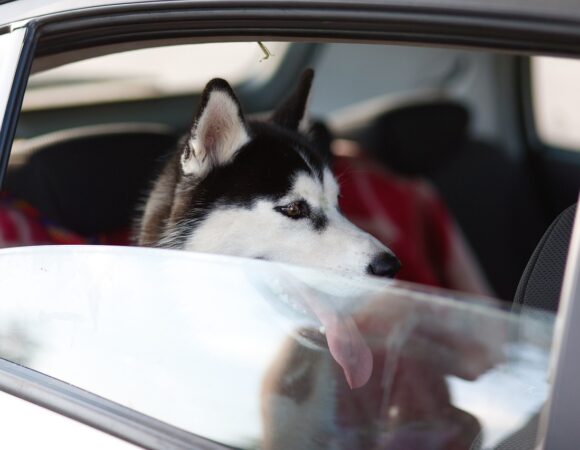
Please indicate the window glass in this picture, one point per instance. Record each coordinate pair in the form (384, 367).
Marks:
(556, 101)
(150, 73)
(246, 352)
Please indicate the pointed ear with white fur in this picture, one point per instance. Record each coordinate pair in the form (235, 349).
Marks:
(292, 114)
(218, 131)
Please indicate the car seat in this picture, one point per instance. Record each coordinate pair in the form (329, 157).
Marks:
(541, 282)
(89, 179)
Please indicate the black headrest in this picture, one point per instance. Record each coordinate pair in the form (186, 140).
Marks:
(541, 282)
(90, 180)
(418, 138)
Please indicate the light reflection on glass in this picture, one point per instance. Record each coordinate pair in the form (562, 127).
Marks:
(253, 353)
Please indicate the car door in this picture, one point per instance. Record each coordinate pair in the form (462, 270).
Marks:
(21, 45)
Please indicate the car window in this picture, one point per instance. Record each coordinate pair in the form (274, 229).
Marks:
(228, 349)
(556, 101)
(232, 349)
(151, 73)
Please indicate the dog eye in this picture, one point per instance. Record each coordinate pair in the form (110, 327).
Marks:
(294, 210)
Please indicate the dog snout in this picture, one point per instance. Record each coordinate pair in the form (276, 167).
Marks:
(384, 265)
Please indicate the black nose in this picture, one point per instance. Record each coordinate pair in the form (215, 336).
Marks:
(384, 265)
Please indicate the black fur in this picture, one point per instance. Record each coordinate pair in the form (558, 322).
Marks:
(319, 220)
(292, 111)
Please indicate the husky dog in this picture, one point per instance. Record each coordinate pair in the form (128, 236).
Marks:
(263, 189)
(257, 189)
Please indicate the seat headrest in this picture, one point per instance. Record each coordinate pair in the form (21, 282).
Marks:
(541, 282)
(89, 180)
(416, 139)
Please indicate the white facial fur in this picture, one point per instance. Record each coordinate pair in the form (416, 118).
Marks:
(262, 232)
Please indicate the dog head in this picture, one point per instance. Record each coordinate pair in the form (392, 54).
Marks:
(262, 189)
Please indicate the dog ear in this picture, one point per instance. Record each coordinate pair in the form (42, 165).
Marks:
(292, 113)
(219, 130)
(321, 138)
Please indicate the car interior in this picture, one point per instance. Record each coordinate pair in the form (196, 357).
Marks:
(90, 140)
